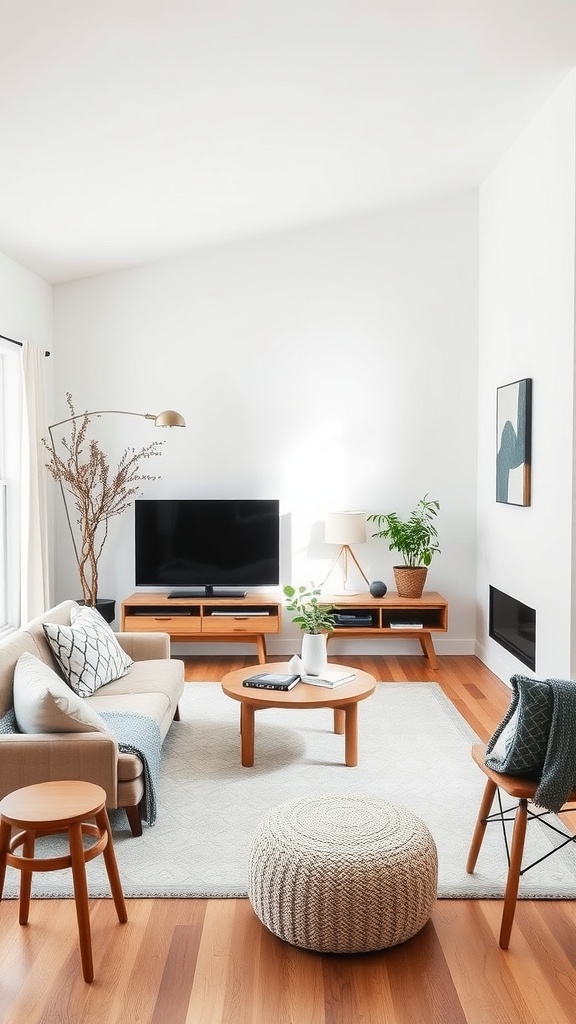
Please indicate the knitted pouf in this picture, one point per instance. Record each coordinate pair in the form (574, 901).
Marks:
(342, 873)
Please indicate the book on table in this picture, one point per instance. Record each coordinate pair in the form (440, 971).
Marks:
(272, 680)
(330, 678)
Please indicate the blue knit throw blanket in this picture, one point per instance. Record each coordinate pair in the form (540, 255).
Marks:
(543, 744)
(140, 735)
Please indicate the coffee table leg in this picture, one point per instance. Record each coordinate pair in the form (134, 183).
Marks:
(351, 735)
(339, 719)
(247, 738)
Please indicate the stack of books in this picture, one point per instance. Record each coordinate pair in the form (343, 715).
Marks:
(330, 678)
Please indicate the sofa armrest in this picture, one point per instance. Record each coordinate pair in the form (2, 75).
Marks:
(145, 646)
(26, 760)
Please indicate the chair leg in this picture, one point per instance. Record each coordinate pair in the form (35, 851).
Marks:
(112, 866)
(480, 827)
(5, 834)
(81, 898)
(26, 878)
(516, 852)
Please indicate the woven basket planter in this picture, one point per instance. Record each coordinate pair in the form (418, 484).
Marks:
(410, 581)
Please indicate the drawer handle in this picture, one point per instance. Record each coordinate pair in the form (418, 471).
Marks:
(162, 618)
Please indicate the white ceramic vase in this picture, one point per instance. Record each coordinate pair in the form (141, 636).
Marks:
(314, 657)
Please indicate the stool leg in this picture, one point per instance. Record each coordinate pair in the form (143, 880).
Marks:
(26, 877)
(5, 834)
(516, 851)
(81, 898)
(109, 854)
(480, 827)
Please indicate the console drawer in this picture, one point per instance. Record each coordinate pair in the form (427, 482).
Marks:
(175, 625)
(223, 625)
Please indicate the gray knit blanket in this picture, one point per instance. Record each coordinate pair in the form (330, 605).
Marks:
(140, 735)
(550, 733)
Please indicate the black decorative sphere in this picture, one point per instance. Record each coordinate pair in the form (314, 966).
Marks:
(378, 589)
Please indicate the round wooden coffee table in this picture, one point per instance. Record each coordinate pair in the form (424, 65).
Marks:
(343, 699)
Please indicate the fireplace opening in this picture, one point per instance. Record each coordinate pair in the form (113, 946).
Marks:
(513, 625)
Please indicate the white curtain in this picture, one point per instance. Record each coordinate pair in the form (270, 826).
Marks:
(34, 571)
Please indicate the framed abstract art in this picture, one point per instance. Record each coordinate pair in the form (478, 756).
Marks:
(514, 442)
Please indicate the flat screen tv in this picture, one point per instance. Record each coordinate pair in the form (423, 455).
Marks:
(207, 546)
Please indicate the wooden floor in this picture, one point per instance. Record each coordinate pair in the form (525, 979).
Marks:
(211, 961)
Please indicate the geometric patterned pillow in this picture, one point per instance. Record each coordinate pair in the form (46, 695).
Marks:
(519, 744)
(87, 651)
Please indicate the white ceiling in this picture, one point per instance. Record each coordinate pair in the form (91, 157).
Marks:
(136, 130)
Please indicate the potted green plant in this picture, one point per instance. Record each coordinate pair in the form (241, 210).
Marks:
(415, 539)
(315, 620)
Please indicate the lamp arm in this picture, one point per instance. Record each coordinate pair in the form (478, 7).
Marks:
(102, 412)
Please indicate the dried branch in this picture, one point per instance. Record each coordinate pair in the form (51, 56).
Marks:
(99, 493)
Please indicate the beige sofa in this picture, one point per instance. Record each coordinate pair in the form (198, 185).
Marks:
(152, 686)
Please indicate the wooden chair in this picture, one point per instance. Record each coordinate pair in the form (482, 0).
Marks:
(522, 790)
(49, 808)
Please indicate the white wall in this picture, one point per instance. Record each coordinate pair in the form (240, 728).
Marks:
(333, 367)
(527, 239)
(25, 306)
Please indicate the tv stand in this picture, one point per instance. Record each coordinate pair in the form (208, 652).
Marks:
(189, 619)
(208, 591)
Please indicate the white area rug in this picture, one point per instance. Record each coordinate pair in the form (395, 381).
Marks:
(414, 750)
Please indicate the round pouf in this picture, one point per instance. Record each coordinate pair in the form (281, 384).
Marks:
(342, 873)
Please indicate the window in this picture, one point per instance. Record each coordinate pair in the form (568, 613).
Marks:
(10, 385)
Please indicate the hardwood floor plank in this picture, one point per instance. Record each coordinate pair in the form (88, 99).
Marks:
(209, 993)
(174, 993)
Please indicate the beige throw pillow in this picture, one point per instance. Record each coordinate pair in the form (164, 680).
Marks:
(44, 703)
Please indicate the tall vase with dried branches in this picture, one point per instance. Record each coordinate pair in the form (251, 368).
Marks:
(100, 493)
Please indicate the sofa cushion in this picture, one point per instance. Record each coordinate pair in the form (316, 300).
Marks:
(87, 651)
(44, 703)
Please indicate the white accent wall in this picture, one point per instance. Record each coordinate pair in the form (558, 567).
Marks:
(332, 368)
(25, 306)
(527, 243)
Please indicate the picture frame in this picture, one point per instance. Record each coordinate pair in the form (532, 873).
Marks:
(514, 442)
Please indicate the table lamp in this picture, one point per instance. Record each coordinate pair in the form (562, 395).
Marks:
(345, 529)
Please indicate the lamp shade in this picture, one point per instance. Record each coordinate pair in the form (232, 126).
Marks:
(345, 528)
(169, 418)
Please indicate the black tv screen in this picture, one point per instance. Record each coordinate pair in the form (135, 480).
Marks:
(207, 543)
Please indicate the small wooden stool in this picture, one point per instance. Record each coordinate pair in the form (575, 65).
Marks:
(47, 809)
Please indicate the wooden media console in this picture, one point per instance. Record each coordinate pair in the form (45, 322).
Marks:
(188, 619)
(250, 619)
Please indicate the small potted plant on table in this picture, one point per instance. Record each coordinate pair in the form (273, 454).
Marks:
(315, 620)
(415, 539)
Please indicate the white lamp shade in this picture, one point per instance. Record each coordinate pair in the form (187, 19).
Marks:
(345, 528)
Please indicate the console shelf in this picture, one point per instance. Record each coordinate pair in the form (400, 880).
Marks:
(360, 616)
(187, 619)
